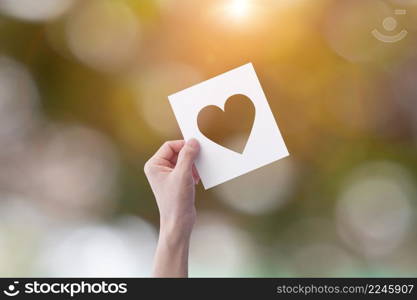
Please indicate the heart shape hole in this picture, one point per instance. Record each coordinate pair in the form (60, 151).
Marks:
(230, 128)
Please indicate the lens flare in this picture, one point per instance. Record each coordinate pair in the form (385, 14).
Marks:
(238, 8)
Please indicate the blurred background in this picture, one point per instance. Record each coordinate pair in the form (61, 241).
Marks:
(83, 105)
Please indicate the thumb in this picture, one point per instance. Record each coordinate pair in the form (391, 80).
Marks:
(187, 156)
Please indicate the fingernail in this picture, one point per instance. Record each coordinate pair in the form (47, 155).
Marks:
(193, 143)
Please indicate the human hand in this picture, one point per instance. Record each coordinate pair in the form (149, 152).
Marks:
(172, 176)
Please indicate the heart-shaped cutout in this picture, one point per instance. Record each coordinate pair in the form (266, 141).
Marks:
(229, 128)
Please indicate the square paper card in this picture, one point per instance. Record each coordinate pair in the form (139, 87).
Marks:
(263, 143)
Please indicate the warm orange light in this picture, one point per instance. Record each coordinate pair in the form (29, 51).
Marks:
(238, 8)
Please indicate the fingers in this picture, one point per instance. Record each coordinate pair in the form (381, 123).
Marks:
(196, 176)
(178, 154)
(166, 156)
(187, 156)
(169, 151)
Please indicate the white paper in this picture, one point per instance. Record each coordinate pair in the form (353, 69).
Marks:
(216, 164)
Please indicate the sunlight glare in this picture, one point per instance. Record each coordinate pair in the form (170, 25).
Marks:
(239, 8)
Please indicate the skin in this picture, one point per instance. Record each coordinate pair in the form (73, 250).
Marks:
(172, 176)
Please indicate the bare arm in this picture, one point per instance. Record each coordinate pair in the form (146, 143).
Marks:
(172, 176)
(171, 257)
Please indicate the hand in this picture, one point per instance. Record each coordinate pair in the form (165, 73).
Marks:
(172, 176)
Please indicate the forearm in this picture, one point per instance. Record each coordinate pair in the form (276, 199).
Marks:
(171, 176)
(171, 257)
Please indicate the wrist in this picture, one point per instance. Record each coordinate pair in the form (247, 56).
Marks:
(171, 258)
(175, 232)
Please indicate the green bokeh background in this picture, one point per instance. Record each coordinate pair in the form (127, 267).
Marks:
(83, 105)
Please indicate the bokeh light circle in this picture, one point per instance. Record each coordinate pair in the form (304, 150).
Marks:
(74, 171)
(18, 102)
(124, 248)
(104, 34)
(218, 246)
(374, 210)
(153, 86)
(260, 191)
(38, 10)
(23, 225)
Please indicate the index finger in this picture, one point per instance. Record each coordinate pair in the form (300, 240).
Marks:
(169, 149)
